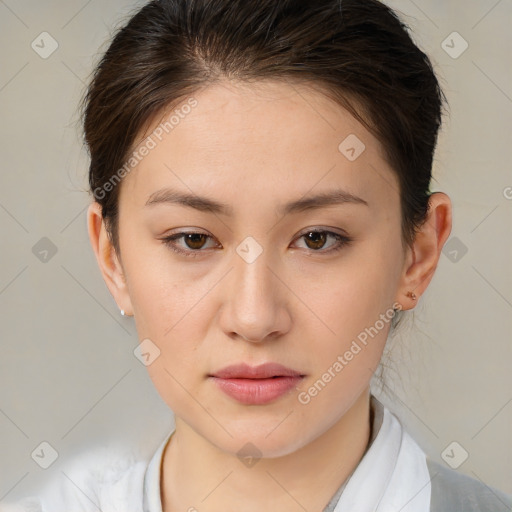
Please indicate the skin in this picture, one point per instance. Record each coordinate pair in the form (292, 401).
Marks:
(255, 148)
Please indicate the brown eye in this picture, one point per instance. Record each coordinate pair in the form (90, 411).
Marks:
(194, 243)
(195, 240)
(315, 239)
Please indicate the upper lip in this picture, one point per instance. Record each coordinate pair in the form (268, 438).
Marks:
(262, 371)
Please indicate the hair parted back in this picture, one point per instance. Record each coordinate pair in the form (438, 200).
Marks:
(356, 52)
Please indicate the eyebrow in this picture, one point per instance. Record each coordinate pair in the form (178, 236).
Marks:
(321, 200)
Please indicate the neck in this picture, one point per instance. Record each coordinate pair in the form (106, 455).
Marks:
(198, 474)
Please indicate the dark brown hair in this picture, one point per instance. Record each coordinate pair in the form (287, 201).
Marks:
(357, 52)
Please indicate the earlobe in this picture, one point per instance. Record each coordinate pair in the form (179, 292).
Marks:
(107, 259)
(425, 252)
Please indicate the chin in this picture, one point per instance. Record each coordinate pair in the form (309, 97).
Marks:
(268, 439)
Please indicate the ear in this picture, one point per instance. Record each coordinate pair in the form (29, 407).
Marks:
(108, 261)
(422, 258)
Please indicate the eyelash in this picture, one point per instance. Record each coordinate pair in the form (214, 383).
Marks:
(342, 241)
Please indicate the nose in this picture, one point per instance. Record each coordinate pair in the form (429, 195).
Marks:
(255, 306)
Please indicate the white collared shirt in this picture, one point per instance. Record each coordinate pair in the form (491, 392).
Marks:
(394, 475)
(387, 464)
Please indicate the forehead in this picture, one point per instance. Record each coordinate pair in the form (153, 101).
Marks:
(274, 138)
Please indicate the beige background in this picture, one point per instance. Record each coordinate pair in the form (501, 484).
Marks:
(68, 375)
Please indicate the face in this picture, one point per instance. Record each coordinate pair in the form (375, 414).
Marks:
(270, 274)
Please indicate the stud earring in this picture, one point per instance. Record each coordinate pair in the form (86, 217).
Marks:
(122, 312)
(412, 295)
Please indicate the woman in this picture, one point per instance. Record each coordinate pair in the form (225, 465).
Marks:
(262, 208)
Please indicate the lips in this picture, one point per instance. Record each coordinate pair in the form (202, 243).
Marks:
(256, 385)
(263, 371)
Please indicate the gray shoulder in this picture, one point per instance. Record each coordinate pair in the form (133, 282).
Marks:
(453, 491)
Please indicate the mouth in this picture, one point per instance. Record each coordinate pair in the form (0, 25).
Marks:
(262, 371)
(256, 385)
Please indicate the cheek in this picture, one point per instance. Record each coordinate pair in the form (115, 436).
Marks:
(351, 295)
(167, 312)
(353, 305)
(343, 363)
(160, 291)
(166, 305)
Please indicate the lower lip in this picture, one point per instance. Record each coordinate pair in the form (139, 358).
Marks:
(257, 391)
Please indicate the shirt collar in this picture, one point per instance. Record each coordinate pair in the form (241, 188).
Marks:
(151, 495)
(378, 465)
